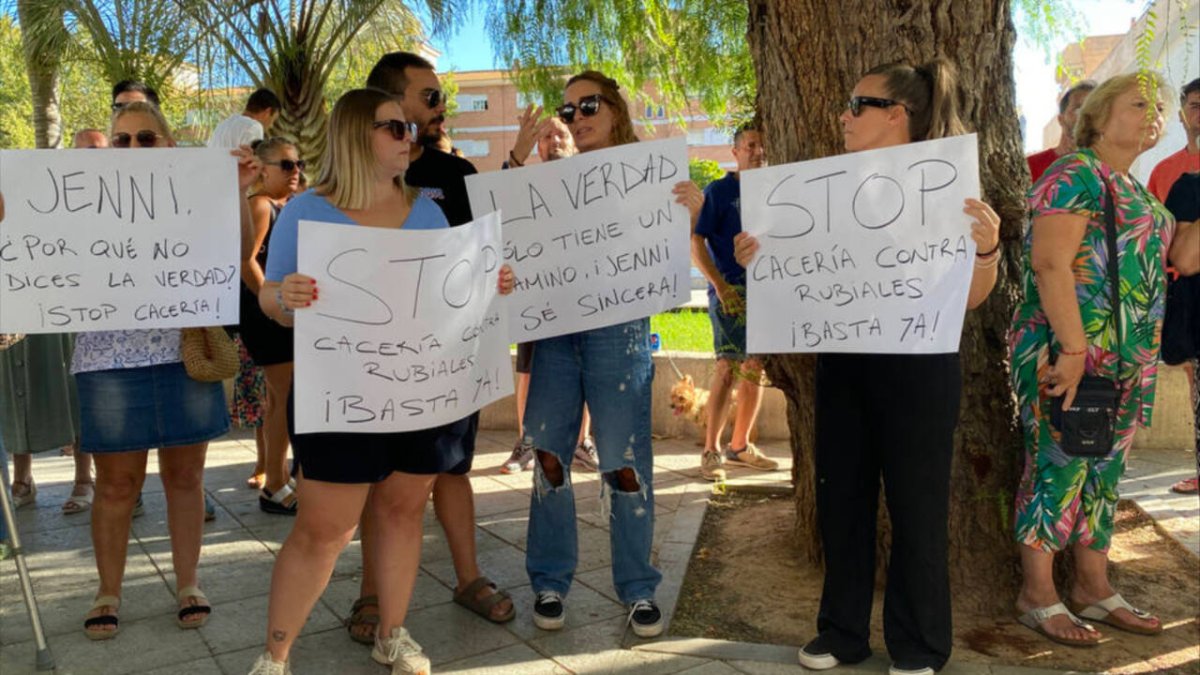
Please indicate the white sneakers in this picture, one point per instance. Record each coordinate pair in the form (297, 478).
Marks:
(401, 652)
(265, 666)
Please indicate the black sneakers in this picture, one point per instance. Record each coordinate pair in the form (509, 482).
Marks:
(816, 656)
(548, 611)
(646, 619)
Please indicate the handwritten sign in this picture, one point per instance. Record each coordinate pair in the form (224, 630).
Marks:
(114, 239)
(594, 240)
(409, 332)
(865, 252)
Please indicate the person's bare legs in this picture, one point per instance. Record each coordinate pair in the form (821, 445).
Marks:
(585, 426)
(368, 537)
(306, 560)
(1037, 590)
(83, 469)
(718, 405)
(119, 478)
(279, 378)
(454, 502)
(259, 476)
(181, 468)
(22, 471)
(749, 401)
(398, 507)
(1091, 585)
(522, 399)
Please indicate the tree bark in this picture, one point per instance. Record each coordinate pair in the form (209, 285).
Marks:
(808, 55)
(43, 53)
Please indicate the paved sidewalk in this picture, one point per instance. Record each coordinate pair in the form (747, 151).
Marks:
(239, 551)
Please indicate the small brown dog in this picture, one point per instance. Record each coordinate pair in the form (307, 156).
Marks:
(691, 401)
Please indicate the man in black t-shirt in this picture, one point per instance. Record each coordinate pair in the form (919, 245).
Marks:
(442, 178)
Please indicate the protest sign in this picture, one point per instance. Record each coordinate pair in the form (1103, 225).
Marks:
(594, 240)
(864, 252)
(113, 239)
(409, 331)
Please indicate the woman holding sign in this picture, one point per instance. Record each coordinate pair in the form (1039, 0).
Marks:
(390, 474)
(1068, 345)
(610, 370)
(863, 432)
(134, 394)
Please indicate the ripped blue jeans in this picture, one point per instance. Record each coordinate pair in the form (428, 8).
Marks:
(610, 369)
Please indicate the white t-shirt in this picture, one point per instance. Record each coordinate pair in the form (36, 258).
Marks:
(235, 131)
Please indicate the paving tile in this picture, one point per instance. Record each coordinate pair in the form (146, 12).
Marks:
(449, 632)
(204, 666)
(329, 652)
(63, 610)
(141, 646)
(515, 660)
(241, 624)
(597, 649)
(504, 565)
(584, 606)
(711, 668)
(341, 594)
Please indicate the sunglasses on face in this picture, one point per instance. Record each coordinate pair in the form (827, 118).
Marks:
(857, 102)
(433, 97)
(288, 165)
(145, 139)
(587, 107)
(400, 129)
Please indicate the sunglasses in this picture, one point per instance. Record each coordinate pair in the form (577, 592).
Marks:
(857, 102)
(145, 139)
(433, 97)
(587, 107)
(400, 129)
(288, 165)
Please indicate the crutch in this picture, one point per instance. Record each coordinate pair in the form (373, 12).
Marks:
(45, 660)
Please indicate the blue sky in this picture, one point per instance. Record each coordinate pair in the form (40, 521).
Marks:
(470, 49)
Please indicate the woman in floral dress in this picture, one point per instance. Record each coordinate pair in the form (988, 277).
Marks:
(1066, 501)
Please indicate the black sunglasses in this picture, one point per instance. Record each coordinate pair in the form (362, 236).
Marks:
(288, 165)
(400, 129)
(857, 102)
(433, 97)
(587, 107)
(145, 139)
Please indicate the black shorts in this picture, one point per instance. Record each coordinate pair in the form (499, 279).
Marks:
(525, 357)
(268, 342)
(339, 457)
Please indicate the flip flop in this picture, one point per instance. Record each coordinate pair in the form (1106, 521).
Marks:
(469, 598)
(78, 503)
(201, 606)
(1102, 612)
(91, 626)
(1034, 618)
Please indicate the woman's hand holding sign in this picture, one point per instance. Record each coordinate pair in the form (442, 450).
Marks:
(507, 280)
(985, 230)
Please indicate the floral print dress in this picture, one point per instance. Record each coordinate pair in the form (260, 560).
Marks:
(1063, 500)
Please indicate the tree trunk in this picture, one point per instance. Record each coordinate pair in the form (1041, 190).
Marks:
(42, 56)
(304, 117)
(808, 55)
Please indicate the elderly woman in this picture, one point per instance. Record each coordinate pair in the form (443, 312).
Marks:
(1064, 329)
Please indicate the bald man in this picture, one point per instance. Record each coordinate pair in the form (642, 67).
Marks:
(89, 138)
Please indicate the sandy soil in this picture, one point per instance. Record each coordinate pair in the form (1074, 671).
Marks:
(744, 583)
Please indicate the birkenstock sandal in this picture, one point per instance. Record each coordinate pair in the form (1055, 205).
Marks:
(200, 606)
(360, 616)
(1034, 618)
(94, 627)
(469, 598)
(1102, 612)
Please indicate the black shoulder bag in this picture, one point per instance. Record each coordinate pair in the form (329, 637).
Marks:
(1088, 426)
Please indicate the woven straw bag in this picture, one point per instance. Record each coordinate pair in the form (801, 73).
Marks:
(209, 355)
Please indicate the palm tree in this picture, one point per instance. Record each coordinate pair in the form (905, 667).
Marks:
(292, 47)
(43, 52)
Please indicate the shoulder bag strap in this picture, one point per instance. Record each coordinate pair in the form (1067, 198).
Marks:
(1114, 275)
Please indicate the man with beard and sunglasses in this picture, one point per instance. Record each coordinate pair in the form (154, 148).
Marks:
(442, 178)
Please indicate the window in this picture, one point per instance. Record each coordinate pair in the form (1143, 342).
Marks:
(474, 148)
(709, 136)
(472, 102)
(653, 112)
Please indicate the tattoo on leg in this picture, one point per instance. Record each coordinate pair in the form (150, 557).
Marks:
(278, 635)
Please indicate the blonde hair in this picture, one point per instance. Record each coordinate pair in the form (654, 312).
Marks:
(266, 150)
(610, 91)
(1097, 107)
(143, 108)
(348, 172)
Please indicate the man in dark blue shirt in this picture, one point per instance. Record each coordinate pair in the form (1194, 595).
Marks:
(712, 252)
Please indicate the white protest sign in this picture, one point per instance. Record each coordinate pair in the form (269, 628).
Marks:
(864, 252)
(116, 239)
(594, 240)
(409, 331)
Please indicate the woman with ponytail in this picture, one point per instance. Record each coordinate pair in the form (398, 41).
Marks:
(908, 441)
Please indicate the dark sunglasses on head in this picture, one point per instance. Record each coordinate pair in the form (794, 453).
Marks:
(400, 129)
(857, 102)
(288, 165)
(145, 139)
(587, 107)
(433, 97)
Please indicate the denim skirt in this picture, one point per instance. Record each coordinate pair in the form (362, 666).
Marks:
(159, 406)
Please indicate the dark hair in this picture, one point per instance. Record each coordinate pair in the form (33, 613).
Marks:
(388, 73)
(135, 85)
(262, 100)
(929, 93)
(748, 126)
(1188, 89)
(1065, 101)
(610, 91)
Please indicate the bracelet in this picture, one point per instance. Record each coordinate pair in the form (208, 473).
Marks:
(1081, 352)
(282, 307)
(987, 263)
(512, 158)
(995, 249)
